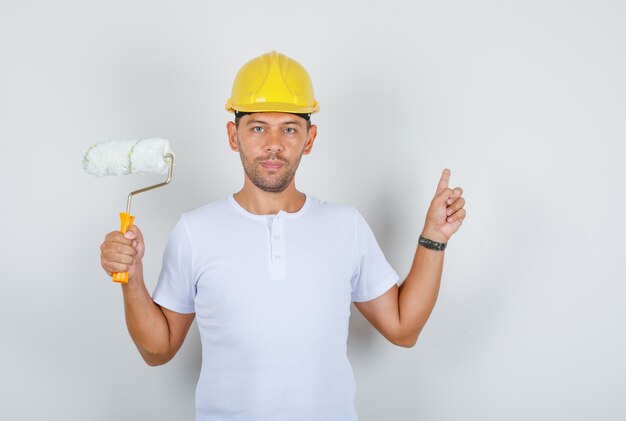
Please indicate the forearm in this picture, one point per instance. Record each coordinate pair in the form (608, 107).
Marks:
(401, 313)
(146, 322)
(418, 294)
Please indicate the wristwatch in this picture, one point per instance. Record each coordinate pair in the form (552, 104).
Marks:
(430, 244)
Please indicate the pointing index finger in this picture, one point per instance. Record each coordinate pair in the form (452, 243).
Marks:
(444, 181)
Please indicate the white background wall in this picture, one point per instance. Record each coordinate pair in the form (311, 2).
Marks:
(524, 101)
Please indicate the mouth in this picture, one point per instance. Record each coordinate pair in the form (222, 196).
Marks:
(272, 165)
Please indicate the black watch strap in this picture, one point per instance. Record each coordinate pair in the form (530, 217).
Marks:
(430, 244)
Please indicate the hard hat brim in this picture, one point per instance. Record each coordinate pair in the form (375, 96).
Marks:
(277, 107)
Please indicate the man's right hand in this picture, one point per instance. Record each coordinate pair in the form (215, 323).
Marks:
(123, 252)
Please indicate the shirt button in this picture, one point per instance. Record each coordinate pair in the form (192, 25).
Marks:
(277, 257)
(277, 237)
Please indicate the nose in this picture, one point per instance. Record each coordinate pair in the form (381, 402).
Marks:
(273, 143)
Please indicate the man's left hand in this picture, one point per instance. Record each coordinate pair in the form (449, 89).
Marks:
(446, 212)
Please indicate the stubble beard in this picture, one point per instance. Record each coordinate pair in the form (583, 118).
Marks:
(272, 184)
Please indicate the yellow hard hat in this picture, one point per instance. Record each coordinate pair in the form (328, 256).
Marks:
(272, 82)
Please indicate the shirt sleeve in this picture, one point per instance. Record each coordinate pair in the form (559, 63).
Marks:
(374, 275)
(176, 289)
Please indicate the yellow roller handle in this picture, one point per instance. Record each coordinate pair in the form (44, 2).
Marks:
(125, 222)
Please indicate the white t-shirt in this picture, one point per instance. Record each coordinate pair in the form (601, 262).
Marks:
(272, 297)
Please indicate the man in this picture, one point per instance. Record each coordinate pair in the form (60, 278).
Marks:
(270, 272)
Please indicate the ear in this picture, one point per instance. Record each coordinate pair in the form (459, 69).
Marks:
(310, 139)
(231, 129)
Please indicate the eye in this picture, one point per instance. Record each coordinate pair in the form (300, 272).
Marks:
(290, 130)
(257, 129)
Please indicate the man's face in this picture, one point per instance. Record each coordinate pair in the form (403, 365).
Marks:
(270, 146)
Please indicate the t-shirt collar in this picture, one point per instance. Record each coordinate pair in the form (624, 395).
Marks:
(290, 215)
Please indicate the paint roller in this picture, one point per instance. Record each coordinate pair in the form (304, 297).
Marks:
(116, 157)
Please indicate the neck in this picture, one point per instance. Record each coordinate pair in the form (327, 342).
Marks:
(260, 202)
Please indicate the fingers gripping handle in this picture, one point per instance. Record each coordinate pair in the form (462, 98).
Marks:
(125, 222)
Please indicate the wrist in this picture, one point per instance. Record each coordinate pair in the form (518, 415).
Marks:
(135, 277)
(434, 236)
(431, 245)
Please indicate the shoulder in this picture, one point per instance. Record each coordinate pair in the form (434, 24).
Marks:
(325, 208)
(337, 215)
(345, 217)
(213, 212)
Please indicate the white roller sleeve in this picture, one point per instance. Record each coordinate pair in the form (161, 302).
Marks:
(119, 157)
